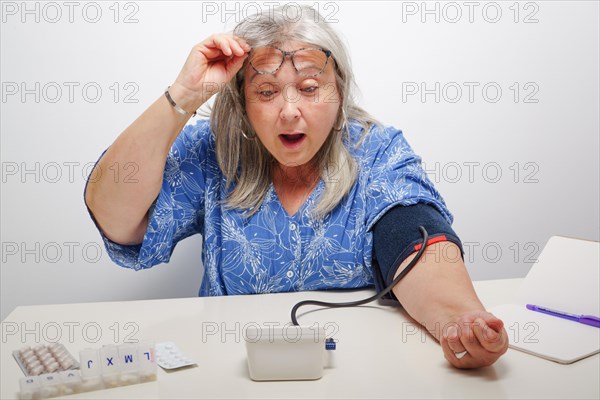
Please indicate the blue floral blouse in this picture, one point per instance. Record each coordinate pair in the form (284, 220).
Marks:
(272, 251)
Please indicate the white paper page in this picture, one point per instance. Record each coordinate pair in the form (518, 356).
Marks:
(549, 337)
(566, 277)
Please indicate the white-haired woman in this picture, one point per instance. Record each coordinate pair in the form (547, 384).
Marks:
(292, 185)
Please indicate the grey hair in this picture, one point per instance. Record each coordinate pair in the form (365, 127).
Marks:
(247, 163)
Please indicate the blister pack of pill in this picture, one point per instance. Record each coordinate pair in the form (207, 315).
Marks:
(168, 356)
(44, 359)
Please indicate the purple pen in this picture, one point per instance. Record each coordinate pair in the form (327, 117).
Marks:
(582, 319)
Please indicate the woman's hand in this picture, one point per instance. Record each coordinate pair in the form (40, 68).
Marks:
(480, 334)
(210, 65)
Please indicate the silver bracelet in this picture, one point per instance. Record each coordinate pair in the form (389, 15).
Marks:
(175, 106)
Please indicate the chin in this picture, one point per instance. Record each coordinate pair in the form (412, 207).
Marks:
(292, 163)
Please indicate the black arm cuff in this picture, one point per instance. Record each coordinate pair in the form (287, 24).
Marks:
(396, 236)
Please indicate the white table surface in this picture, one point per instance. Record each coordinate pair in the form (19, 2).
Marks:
(380, 354)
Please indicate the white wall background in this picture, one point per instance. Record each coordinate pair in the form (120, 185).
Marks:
(543, 138)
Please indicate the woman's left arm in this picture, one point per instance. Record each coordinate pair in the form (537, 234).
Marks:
(438, 293)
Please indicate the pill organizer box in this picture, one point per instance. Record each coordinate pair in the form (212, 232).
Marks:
(106, 367)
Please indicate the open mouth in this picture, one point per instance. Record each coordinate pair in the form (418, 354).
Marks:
(292, 139)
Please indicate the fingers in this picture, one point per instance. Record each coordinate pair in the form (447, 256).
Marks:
(491, 320)
(225, 53)
(458, 360)
(234, 65)
(228, 45)
(490, 339)
(482, 343)
(211, 64)
(245, 47)
(452, 346)
(453, 340)
(488, 330)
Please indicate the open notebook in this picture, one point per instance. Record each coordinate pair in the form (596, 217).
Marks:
(566, 278)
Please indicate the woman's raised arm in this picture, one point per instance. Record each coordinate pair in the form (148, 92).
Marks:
(120, 200)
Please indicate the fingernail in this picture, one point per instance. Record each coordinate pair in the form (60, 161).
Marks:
(460, 354)
(490, 334)
(452, 333)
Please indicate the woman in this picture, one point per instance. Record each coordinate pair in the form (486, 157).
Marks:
(291, 184)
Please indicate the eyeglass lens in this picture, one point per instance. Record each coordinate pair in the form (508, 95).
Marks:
(309, 62)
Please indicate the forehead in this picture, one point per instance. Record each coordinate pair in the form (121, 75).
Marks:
(293, 45)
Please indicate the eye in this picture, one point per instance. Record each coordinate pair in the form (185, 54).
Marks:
(310, 89)
(309, 86)
(266, 93)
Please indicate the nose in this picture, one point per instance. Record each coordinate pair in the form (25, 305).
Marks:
(290, 106)
(290, 109)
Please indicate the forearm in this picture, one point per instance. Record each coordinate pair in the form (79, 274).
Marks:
(127, 179)
(438, 288)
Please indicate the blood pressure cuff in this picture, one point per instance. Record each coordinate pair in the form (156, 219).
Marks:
(397, 235)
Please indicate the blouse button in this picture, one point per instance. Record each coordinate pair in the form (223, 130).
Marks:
(293, 226)
(290, 274)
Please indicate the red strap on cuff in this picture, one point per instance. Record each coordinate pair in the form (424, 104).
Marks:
(436, 239)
